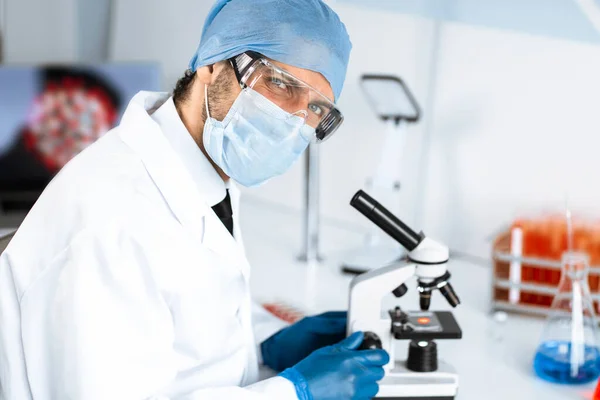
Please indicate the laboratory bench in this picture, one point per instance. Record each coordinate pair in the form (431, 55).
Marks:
(494, 359)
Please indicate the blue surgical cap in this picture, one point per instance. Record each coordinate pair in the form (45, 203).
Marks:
(306, 34)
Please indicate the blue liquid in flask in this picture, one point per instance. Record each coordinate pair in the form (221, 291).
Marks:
(553, 363)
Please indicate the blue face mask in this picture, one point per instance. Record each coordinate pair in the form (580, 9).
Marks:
(257, 140)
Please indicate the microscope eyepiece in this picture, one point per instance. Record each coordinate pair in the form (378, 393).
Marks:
(384, 219)
(448, 291)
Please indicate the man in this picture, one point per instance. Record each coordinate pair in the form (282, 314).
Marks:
(128, 278)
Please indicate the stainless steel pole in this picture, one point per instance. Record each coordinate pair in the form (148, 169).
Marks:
(3, 28)
(310, 252)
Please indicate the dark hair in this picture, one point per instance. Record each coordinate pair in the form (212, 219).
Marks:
(183, 87)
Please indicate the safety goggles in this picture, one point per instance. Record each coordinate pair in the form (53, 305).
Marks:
(288, 92)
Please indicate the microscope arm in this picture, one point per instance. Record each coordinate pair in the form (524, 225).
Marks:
(367, 291)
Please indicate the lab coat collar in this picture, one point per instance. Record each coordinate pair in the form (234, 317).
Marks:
(144, 136)
(204, 174)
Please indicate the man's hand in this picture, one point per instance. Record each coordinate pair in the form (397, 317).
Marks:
(291, 345)
(339, 372)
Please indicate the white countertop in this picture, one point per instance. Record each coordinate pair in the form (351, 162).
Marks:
(494, 360)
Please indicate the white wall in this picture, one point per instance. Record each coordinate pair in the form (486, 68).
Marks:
(55, 31)
(515, 127)
(93, 30)
(40, 31)
(155, 30)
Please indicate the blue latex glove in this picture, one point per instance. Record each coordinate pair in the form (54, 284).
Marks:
(294, 343)
(339, 372)
(306, 34)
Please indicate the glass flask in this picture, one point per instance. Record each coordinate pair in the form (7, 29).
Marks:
(568, 351)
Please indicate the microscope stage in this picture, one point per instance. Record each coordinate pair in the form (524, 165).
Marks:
(429, 325)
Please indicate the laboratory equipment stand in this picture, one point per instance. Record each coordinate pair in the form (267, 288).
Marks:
(393, 103)
(311, 221)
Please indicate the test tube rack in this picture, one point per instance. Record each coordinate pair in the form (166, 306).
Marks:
(528, 284)
(533, 294)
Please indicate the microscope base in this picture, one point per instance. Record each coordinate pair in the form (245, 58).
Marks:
(402, 384)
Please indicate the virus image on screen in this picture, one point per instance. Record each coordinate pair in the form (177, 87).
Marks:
(73, 111)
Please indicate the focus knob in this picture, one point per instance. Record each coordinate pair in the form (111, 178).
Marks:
(370, 342)
(400, 290)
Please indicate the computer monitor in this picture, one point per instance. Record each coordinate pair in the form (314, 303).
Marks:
(48, 114)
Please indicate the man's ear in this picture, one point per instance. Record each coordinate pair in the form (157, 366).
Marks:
(208, 74)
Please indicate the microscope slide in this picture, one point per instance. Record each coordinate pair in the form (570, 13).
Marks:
(284, 311)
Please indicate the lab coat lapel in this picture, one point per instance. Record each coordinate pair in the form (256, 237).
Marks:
(237, 232)
(218, 238)
(174, 182)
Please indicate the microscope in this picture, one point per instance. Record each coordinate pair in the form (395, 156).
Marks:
(422, 375)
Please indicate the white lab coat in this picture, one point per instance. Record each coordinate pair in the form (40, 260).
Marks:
(123, 284)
